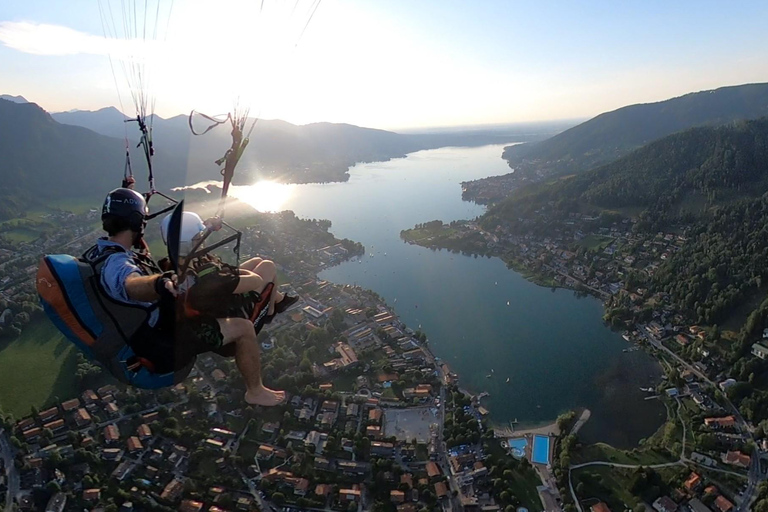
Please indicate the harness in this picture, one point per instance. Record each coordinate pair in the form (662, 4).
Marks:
(104, 329)
(207, 289)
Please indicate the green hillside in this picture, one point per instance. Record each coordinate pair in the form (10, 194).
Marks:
(614, 134)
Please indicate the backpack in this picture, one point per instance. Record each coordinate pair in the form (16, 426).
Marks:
(102, 328)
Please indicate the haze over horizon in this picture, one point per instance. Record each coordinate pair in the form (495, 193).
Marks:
(395, 65)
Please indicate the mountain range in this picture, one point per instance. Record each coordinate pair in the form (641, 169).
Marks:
(613, 134)
(82, 153)
(280, 150)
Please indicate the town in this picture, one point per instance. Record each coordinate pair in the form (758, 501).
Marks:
(374, 421)
(604, 256)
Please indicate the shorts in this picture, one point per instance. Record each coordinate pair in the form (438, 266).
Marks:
(172, 352)
(197, 336)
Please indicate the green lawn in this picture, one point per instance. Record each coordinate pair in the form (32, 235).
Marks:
(36, 368)
(595, 242)
(606, 453)
(610, 486)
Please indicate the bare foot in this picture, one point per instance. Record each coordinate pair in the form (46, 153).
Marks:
(265, 397)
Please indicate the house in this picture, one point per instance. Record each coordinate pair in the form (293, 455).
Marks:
(693, 482)
(351, 468)
(323, 490)
(382, 449)
(396, 496)
(374, 415)
(122, 471)
(111, 434)
(726, 422)
(599, 507)
(441, 490)
(322, 464)
(111, 454)
(759, 350)
(665, 504)
(48, 414)
(270, 427)
(300, 487)
(91, 494)
(433, 470)
(172, 490)
(373, 431)
(82, 418)
(723, 505)
(349, 495)
(70, 405)
(134, 444)
(265, 452)
(736, 459)
(55, 426)
(190, 506)
(144, 432)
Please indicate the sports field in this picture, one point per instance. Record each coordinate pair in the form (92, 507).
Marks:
(36, 368)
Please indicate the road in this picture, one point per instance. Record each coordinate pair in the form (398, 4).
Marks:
(6, 453)
(754, 475)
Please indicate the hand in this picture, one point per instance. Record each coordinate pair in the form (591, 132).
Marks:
(166, 283)
(214, 223)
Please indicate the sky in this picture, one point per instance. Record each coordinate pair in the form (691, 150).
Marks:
(393, 64)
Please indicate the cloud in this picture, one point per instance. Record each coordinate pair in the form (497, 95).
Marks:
(44, 39)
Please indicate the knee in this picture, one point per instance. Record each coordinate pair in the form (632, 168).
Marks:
(267, 269)
(238, 330)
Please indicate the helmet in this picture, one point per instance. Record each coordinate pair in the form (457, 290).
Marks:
(125, 208)
(191, 226)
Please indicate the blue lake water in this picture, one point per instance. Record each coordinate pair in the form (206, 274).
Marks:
(551, 345)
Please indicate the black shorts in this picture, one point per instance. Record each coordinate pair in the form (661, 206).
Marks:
(172, 352)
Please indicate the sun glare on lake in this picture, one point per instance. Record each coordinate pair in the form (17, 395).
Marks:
(265, 196)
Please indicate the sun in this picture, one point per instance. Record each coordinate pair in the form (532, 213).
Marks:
(264, 196)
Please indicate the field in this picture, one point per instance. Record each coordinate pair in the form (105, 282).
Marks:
(596, 242)
(605, 453)
(35, 369)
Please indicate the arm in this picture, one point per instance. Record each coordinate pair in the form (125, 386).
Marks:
(141, 288)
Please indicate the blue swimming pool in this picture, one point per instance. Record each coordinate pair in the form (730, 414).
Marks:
(540, 450)
(517, 446)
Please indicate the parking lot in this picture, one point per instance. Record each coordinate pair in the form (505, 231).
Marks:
(408, 424)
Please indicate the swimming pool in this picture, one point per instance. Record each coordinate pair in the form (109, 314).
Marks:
(540, 450)
(517, 447)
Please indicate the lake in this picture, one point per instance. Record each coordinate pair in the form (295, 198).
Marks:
(488, 323)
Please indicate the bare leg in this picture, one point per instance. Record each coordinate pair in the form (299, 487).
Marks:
(248, 359)
(268, 272)
(251, 264)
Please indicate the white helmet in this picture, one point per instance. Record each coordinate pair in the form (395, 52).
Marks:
(191, 226)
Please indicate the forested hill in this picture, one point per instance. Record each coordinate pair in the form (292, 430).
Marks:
(673, 179)
(42, 159)
(614, 134)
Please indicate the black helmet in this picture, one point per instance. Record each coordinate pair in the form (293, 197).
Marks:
(124, 209)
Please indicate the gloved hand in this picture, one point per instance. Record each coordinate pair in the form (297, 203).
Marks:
(165, 284)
